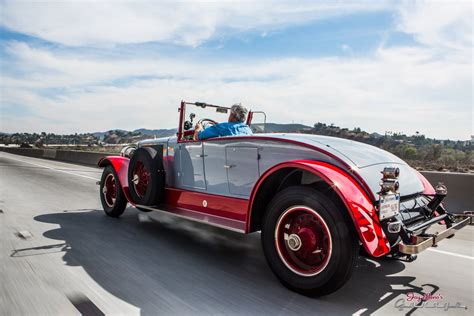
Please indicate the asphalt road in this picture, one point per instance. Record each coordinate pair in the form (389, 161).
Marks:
(60, 255)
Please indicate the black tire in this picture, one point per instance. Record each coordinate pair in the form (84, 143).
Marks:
(151, 193)
(113, 202)
(343, 244)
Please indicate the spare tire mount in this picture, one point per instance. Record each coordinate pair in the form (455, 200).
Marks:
(146, 176)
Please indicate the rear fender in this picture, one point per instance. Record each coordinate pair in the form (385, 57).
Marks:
(357, 202)
(120, 165)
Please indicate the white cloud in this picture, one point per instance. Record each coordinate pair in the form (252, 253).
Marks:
(99, 23)
(346, 48)
(424, 87)
(399, 89)
(440, 24)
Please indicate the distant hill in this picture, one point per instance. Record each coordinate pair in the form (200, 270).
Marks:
(141, 131)
(269, 128)
(156, 132)
(100, 135)
(285, 128)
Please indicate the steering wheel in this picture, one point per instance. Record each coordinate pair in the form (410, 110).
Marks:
(206, 122)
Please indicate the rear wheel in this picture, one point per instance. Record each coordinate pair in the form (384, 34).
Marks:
(307, 242)
(111, 194)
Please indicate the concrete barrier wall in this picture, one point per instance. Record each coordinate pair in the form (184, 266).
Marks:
(73, 156)
(460, 189)
(82, 157)
(460, 185)
(30, 152)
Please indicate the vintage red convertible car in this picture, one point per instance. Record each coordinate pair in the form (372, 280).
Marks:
(315, 199)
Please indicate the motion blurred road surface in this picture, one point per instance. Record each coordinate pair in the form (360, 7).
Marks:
(60, 255)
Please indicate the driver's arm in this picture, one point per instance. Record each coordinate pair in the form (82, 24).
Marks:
(197, 129)
(200, 133)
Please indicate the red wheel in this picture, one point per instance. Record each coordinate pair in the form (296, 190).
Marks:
(308, 241)
(109, 190)
(303, 240)
(111, 194)
(141, 179)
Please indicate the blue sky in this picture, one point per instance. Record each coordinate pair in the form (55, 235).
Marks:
(75, 67)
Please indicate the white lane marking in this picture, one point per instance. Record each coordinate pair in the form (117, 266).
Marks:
(385, 296)
(25, 234)
(451, 254)
(360, 312)
(51, 168)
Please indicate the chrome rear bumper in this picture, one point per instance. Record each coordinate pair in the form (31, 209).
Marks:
(421, 243)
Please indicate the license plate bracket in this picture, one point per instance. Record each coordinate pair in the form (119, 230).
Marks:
(389, 206)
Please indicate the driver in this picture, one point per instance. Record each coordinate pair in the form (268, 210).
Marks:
(234, 126)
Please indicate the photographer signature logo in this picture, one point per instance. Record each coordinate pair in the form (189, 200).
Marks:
(427, 300)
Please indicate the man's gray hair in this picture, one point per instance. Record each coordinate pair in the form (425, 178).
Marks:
(239, 111)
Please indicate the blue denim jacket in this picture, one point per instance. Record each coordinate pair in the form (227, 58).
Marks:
(225, 129)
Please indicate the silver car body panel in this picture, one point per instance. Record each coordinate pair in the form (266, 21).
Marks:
(230, 166)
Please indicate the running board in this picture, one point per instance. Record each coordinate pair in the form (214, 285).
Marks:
(213, 220)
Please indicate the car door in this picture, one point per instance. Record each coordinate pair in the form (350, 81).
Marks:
(242, 165)
(214, 166)
(192, 166)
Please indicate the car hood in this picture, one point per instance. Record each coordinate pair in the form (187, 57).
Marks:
(367, 160)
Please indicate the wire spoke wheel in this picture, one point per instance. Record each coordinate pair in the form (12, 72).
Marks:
(112, 197)
(141, 179)
(110, 190)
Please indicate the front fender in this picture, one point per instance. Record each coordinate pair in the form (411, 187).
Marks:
(120, 165)
(359, 205)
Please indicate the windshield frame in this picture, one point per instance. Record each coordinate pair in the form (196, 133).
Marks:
(182, 117)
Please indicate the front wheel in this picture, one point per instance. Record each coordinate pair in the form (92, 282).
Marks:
(112, 197)
(307, 242)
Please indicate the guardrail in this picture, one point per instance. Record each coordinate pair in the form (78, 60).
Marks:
(460, 185)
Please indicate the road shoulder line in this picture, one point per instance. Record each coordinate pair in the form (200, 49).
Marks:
(451, 253)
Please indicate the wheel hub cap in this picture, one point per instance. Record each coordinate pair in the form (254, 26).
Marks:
(294, 242)
(136, 179)
(303, 240)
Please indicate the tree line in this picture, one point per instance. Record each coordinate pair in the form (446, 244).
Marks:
(419, 151)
